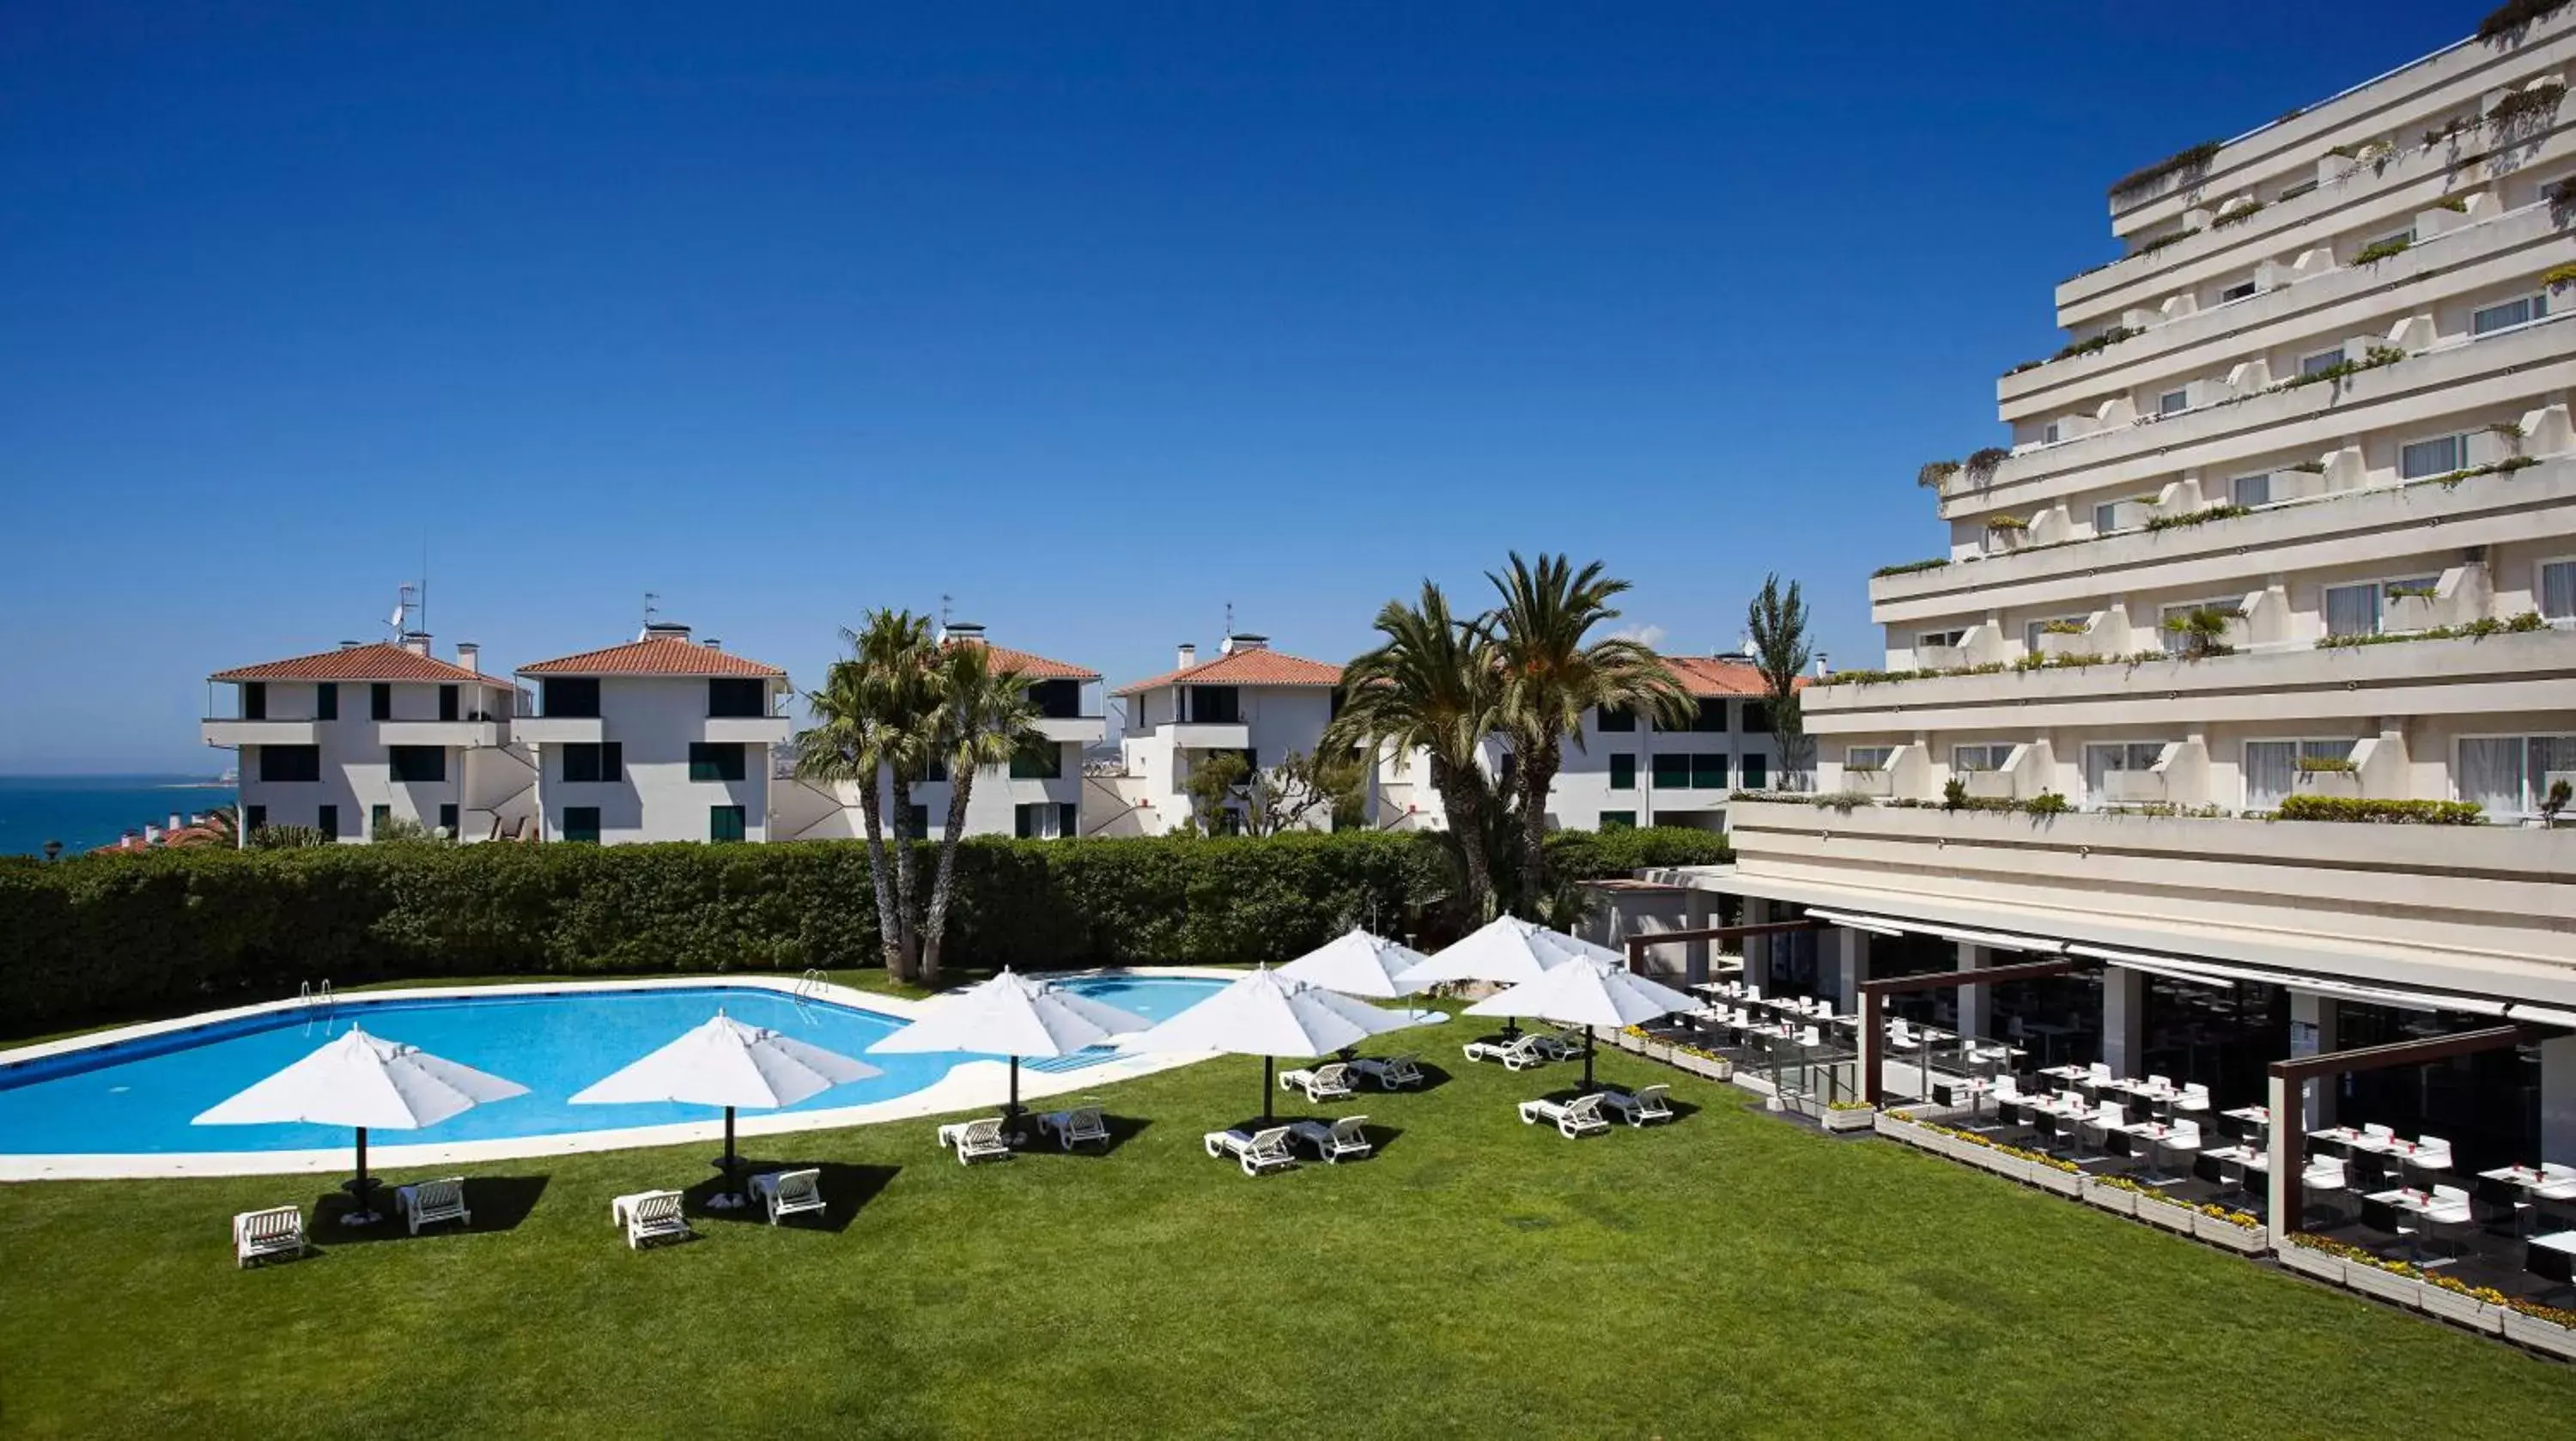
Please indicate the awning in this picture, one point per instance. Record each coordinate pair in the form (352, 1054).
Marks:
(2213, 973)
(1895, 926)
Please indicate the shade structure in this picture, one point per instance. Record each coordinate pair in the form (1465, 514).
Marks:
(726, 1063)
(1268, 1015)
(1588, 993)
(1012, 1015)
(1505, 950)
(1357, 963)
(364, 1082)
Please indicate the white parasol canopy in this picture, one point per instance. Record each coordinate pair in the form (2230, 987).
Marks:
(1588, 993)
(1506, 950)
(1267, 1015)
(1012, 1015)
(1357, 963)
(726, 1063)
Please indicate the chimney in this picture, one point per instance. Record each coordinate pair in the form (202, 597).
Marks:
(712, 643)
(1242, 642)
(1189, 655)
(663, 630)
(1822, 669)
(174, 820)
(351, 644)
(470, 656)
(417, 642)
(966, 631)
(152, 835)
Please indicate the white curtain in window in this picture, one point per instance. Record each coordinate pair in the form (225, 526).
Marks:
(2254, 489)
(2558, 590)
(2352, 609)
(2491, 773)
(2271, 772)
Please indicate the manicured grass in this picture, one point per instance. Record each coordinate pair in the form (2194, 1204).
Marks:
(1726, 1275)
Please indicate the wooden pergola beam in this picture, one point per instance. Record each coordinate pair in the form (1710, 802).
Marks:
(1636, 944)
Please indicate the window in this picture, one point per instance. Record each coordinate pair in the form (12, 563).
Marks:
(2411, 585)
(1939, 639)
(2048, 434)
(416, 765)
(1867, 758)
(1988, 757)
(2399, 238)
(605, 761)
(2272, 767)
(2101, 761)
(1041, 762)
(2557, 590)
(574, 696)
(256, 817)
(1040, 821)
(736, 697)
(378, 817)
(327, 821)
(380, 701)
(2177, 642)
(290, 764)
(2352, 609)
(326, 701)
(581, 823)
(254, 700)
(1709, 718)
(724, 823)
(2322, 360)
(2509, 775)
(2173, 402)
(2242, 290)
(447, 698)
(2106, 517)
(1057, 699)
(1618, 718)
(1618, 820)
(2439, 456)
(1708, 771)
(1213, 704)
(2521, 310)
(2251, 490)
(1068, 820)
(2034, 632)
(916, 822)
(1757, 718)
(1756, 772)
(447, 818)
(716, 761)
(1672, 772)
(1623, 773)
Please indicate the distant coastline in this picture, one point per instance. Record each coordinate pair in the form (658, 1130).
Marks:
(89, 811)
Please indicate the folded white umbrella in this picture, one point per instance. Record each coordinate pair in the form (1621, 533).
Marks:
(1267, 1015)
(364, 1082)
(1357, 963)
(1588, 993)
(1012, 1015)
(726, 1063)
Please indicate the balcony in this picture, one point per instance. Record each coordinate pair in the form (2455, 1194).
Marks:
(1209, 735)
(553, 730)
(1880, 783)
(461, 734)
(746, 730)
(1073, 730)
(232, 731)
(2134, 788)
(1991, 785)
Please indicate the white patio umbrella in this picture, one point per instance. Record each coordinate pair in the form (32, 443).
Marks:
(1012, 1015)
(1506, 950)
(1269, 1016)
(1357, 963)
(726, 1063)
(1588, 993)
(364, 1082)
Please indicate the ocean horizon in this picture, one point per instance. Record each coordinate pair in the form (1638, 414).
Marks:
(86, 812)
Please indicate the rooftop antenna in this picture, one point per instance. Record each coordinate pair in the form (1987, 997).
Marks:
(420, 621)
(1229, 619)
(650, 608)
(945, 600)
(402, 611)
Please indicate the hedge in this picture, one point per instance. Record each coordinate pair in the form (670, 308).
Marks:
(2397, 813)
(164, 931)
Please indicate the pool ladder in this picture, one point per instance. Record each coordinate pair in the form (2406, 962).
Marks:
(312, 1000)
(809, 985)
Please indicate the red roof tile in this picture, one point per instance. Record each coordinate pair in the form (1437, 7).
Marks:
(1709, 677)
(1260, 666)
(655, 655)
(1035, 667)
(381, 661)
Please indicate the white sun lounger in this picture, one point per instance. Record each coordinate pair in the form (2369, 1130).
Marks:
(1347, 1136)
(1072, 1128)
(258, 1235)
(649, 1216)
(1328, 1082)
(430, 1202)
(789, 1193)
(976, 1140)
(1264, 1150)
(1646, 1103)
(1558, 1044)
(1578, 1117)
(1516, 1055)
(1394, 1071)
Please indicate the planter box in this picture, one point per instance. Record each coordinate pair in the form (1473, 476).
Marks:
(2319, 1264)
(2049, 1178)
(2539, 1335)
(2165, 1215)
(1714, 1068)
(2468, 1311)
(2386, 1285)
(2242, 1240)
(1895, 1127)
(2111, 1198)
(1847, 1120)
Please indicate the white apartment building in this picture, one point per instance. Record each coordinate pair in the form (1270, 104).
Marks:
(662, 739)
(350, 739)
(2320, 414)
(1251, 700)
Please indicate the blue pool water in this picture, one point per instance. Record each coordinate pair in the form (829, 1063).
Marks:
(139, 1096)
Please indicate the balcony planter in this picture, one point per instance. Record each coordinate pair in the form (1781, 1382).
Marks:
(2540, 1335)
(2118, 1200)
(1715, 1068)
(2049, 1178)
(1847, 1118)
(2468, 1311)
(2323, 1265)
(2244, 1240)
(2165, 1215)
(2330, 783)
(2385, 1284)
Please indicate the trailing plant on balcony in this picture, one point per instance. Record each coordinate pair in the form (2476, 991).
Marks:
(2011, 524)
(2064, 627)
(2558, 277)
(2524, 107)
(2026, 365)
(2363, 810)
(2509, 429)
(2379, 250)
(2191, 161)
(1911, 566)
(2046, 803)
(2456, 204)
(2150, 247)
(2094, 345)
(1936, 473)
(2412, 592)
(2449, 480)
(2235, 213)
(2371, 359)
(2508, 20)
(2203, 516)
(2478, 629)
(1980, 466)
(2203, 630)
(2307, 467)
(2561, 195)
(2338, 765)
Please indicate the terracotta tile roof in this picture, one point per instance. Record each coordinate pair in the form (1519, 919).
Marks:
(1261, 666)
(183, 836)
(655, 655)
(381, 661)
(1709, 677)
(1035, 667)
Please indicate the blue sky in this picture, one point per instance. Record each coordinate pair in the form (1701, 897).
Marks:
(1095, 317)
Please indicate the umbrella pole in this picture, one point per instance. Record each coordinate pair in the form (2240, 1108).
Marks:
(359, 1215)
(732, 1196)
(1267, 1086)
(1587, 1060)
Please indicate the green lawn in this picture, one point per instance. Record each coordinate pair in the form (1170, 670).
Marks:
(1723, 1276)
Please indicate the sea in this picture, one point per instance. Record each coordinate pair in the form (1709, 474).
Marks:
(86, 812)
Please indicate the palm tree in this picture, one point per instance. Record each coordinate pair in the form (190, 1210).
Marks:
(1778, 625)
(980, 717)
(1551, 677)
(1432, 686)
(871, 726)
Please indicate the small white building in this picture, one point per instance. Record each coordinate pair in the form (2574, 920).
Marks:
(351, 739)
(1251, 700)
(662, 739)
(1630, 772)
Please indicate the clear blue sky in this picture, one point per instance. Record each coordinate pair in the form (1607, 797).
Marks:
(1095, 317)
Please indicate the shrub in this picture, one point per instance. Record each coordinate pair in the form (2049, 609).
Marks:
(287, 838)
(2378, 812)
(1981, 466)
(2558, 278)
(2520, 107)
(2202, 516)
(1910, 567)
(2478, 629)
(2046, 803)
(2509, 18)
(2190, 162)
(2234, 214)
(2379, 250)
(2150, 247)
(2095, 344)
(1936, 473)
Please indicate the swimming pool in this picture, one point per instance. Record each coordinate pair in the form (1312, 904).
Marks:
(136, 1096)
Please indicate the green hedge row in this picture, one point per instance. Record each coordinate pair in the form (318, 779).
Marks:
(2399, 813)
(175, 930)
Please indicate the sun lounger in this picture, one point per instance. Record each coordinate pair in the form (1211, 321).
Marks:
(431, 1202)
(649, 1216)
(1558, 1044)
(1578, 1117)
(1328, 1082)
(1516, 1055)
(1265, 1150)
(1072, 1128)
(1393, 1071)
(976, 1140)
(259, 1235)
(789, 1193)
(1647, 1103)
(1347, 1136)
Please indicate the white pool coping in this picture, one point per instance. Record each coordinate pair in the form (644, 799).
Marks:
(970, 1086)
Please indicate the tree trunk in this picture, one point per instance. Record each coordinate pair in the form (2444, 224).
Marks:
(1466, 807)
(943, 882)
(889, 925)
(907, 900)
(1537, 774)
